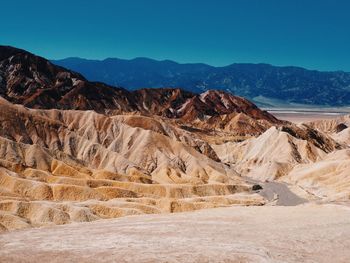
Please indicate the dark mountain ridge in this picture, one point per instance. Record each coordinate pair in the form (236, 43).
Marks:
(288, 84)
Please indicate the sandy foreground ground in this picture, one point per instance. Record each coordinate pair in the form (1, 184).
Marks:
(304, 233)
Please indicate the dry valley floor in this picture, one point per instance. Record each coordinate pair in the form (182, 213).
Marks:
(304, 233)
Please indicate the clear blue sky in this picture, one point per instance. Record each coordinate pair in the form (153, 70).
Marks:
(310, 33)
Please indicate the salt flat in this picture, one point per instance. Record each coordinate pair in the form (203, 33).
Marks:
(304, 233)
(299, 115)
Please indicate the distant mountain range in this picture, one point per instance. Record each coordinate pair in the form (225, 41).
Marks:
(265, 84)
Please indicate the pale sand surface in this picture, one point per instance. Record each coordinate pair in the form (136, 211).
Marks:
(305, 233)
(299, 117)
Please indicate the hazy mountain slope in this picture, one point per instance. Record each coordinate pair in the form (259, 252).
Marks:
(290, 84)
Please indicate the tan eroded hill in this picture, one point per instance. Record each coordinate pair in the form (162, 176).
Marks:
(272, 154)
(327, 179)
(70, 166)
